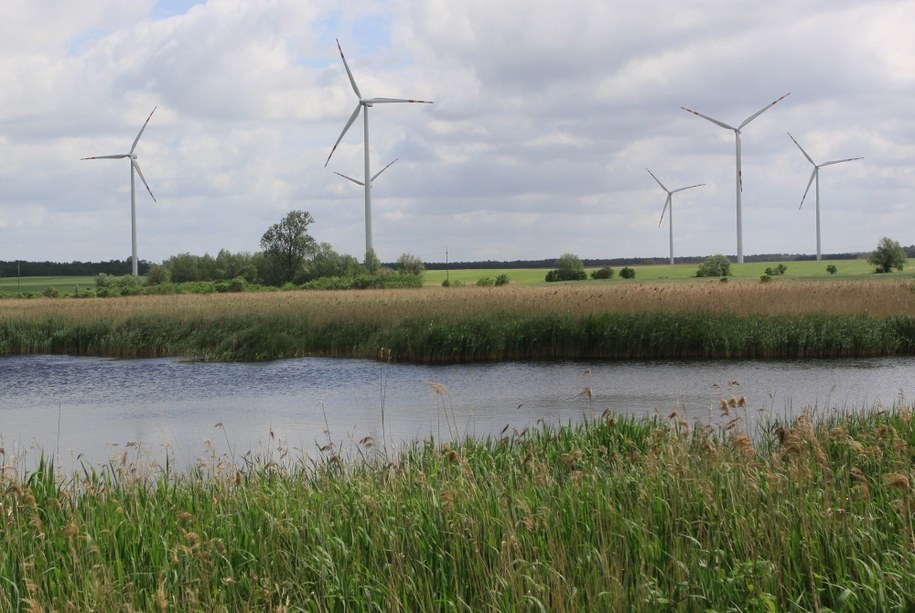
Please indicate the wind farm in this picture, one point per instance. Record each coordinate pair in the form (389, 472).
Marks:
(134, 168)
(815, 176)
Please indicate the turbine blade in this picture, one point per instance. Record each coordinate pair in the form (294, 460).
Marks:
(664, 210)
(809, 183)
(809, 159)
(142, 178)
(680, 189)
(140, 133)
(387, 100)
(840, 161)
(714, 121)
(356, 181)
(382, 170)
(352, 118)
(107, 157)
(761, 111)
(348, 72)
(658, 180)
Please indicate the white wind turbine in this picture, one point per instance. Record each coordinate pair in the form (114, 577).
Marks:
(133, 200)
(669, 203)
(363, 105)
(357, 181)
(739, 177)
(816, 175)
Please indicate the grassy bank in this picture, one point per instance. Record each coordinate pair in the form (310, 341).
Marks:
(644, 321)
(614, 515)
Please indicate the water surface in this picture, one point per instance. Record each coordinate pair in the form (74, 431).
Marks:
(91, 409)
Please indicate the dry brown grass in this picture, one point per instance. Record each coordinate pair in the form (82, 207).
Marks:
(840, 298)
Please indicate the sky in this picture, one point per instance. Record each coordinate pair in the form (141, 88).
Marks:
(545, 118)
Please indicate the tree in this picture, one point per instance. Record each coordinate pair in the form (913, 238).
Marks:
(715, 266)
(328, 263)
(568, 268)
(627, 273)
(888, 255)
(287, 244)
(410, 264)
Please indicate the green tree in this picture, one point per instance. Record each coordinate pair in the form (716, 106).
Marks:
(568, 268)
(410, 264)
(287, 245)
(715, 266)
(889, 255)
(328, 263)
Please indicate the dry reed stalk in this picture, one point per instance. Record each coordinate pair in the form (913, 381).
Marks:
(839, 297)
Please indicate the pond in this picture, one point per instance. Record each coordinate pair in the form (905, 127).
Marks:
(85, 411)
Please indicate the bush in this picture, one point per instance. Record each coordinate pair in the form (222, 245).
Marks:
(486, 282)
(778, 270)
(831, 269)
(502, 279)
(715, 266)
(766, 278)
(627, 273)
(604, 272)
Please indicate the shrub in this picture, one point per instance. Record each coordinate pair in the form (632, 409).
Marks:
(765, 278)
(831, 269)
(604, 272)
(502, 279)
(486, 282)
(627, 273)
(715, 266)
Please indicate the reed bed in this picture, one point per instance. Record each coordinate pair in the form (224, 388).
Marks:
(698, 320)
(616, 514)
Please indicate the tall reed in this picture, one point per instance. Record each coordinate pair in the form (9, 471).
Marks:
(617, 514)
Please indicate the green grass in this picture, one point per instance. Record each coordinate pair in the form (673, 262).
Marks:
(37, 285)
(618, 514)
(808, 270)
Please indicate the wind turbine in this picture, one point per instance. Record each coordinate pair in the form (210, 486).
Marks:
(739, 176)
(357, 181)
(363, 105)
(816, 175)
(669, 202)
(133, 200)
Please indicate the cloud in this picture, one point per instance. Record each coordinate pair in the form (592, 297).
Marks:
(544, 121)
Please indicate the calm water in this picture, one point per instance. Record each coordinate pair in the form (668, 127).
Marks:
(90, 410)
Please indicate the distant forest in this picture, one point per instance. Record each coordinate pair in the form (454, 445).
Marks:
(69, 269)
(122, 267)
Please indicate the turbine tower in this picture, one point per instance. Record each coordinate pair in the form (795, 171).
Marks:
(739, 177)
(816, 175)
(363, 105)
(669, 202)
(134, 166)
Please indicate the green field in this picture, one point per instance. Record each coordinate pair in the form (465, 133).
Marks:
(678, 272)
(36, 285)
(847, 269)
